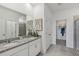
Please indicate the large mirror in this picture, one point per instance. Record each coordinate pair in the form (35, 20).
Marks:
(12, 24)
(22, 26)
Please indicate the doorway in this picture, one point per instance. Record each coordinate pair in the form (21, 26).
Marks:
(76, 33)
(61, 32)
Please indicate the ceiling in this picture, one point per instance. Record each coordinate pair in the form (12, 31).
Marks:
(35, 4)
(61, 6)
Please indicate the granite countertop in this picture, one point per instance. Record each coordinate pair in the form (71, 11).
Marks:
(8, 46)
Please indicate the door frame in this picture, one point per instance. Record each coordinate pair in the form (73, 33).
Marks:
(65, 29)
(75, 41)
(75, 18)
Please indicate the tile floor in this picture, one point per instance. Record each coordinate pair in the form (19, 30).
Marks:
(61, 42)
(58, 50)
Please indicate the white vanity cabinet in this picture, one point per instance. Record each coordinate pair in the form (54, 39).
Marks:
(34, 47)
(22, 52)
(29, 49)
(18, 51)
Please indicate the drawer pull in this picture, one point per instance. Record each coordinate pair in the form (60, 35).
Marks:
(35, 46)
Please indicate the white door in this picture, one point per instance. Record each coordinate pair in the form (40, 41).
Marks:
(2, 29)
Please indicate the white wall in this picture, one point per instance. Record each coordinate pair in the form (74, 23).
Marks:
(19, 7)
(9, 14)
(68, 15)
(48, 26)
(29, 9)
(38, 11)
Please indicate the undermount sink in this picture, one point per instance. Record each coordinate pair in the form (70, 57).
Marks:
(10, 44)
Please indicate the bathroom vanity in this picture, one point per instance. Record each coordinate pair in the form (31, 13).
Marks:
(10, 45)
(13, 32)
(23, 47)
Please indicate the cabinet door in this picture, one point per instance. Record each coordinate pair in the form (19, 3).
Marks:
(32, 51)
(22, 53)
(34, 47)
(2, 29)
(37, 46)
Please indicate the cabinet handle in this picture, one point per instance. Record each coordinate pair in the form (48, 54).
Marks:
(35, 46)
(30, 45)
(49, 34)
(3, 34)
